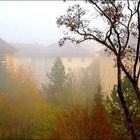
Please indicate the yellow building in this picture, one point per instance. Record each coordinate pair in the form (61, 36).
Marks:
(38, 61)
(107, 73)
(75, 60)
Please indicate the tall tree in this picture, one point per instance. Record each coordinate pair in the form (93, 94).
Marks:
(122, 20)
(122, 23)
(57, 77)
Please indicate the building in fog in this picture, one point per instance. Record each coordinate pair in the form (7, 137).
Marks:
(6, 50)
(107, 72)
(38, 61)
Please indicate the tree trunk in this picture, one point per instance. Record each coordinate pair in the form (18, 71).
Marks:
(124, 105)
(133, 81)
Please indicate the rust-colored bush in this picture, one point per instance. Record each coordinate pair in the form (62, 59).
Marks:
(83, 122)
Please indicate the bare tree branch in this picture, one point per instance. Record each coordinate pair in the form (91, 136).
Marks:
(138, 43)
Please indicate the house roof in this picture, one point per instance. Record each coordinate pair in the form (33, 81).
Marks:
(6, 47)
(53, 50)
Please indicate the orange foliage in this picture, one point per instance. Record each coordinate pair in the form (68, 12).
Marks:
(101, 120)
(83, 123)
(23, 111)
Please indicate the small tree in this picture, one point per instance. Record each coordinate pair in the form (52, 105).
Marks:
(114, 106)
(4, 75)
(57, 75)
(57, 78)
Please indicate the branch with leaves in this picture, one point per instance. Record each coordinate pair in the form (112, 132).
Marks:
(122, 20)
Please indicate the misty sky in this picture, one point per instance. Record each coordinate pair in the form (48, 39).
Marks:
(32, 21)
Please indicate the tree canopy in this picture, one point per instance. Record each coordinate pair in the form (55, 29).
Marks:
(121, 21)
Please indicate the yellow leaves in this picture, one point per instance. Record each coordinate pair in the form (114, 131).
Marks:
(25, 108)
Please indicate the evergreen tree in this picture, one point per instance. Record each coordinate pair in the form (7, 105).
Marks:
(57, 80)
(114, 104)
(57, 76)
(4, 75)
(114, 107)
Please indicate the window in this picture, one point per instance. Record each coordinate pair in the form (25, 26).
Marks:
(103, 85)
(82, 60)
(109, 86)
(82, 69)
(69, 69)
(108, 72)
(69, 59)
(104, 72)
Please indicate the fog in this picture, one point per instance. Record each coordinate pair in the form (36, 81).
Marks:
(31, 22)
(48, 92)
(29, 51)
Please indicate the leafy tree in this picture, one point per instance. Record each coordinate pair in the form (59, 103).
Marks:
(84, 121)
(57, 80)
(57, 76)
(5, 78)
(98, 98)
(114, 106)
(24, 113)
(120, 26)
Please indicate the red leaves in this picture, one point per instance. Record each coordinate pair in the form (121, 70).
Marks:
(104, 129)
(56, 136)
(83, 123)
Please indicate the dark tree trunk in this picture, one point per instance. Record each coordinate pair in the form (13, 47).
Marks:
(133, 81)
(124, 105)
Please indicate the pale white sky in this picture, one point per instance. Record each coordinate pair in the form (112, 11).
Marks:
(32, 21)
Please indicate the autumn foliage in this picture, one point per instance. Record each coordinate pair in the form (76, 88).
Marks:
(83, 122)
(24, 112)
